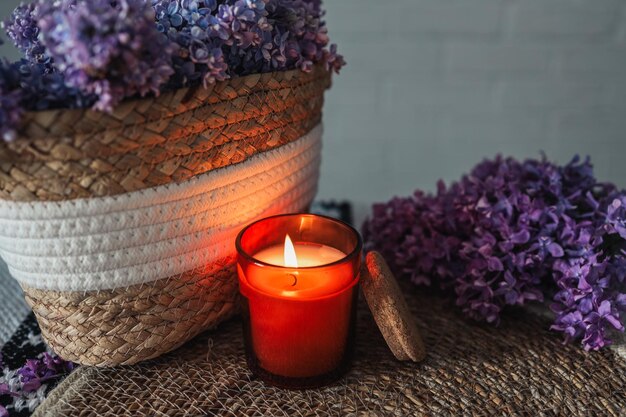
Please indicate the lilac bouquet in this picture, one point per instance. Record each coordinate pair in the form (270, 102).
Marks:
(515, 232)
(110, 50)
(97, 53)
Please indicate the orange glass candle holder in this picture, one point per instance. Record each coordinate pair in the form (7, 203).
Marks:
(299, 321)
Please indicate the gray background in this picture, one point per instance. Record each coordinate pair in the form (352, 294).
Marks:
(434, 86)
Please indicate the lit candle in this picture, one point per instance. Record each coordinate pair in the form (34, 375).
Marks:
(300, 255)
(300, 297)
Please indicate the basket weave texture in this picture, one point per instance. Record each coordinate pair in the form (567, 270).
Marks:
(517, 369)
(65, 154)
(128, 325)
(150, 223)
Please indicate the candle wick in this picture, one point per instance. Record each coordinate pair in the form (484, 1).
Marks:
(295, 280)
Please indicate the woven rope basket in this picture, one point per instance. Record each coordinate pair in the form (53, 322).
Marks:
(120, 227)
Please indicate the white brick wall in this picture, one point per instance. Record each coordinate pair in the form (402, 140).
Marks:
(433, 86)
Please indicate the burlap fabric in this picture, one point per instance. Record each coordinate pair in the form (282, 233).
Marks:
(519, 368)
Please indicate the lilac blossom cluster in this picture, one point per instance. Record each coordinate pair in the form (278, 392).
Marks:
(514, 232)
(104, 51)
(28, 384)
(33, 86)
(107, 48)
(11, 109)
(219, 39)
(23, 30)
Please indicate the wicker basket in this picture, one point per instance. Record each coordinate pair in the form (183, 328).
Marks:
(120, 227)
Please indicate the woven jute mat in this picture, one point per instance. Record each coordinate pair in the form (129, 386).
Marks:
(518, 368)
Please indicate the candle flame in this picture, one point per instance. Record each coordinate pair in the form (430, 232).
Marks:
(290, 253)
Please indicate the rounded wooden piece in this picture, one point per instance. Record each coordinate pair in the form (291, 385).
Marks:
(390, 311)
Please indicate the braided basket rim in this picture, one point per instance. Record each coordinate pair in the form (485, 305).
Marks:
(192, 97)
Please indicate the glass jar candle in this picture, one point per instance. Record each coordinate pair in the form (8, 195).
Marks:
(299, 275)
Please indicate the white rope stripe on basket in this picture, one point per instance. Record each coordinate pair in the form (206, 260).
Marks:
(143, 236)
(89, 240)
(211, 244)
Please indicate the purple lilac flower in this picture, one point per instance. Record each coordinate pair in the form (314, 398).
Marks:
(33, 86)
(512, 232)
(30, 380)
(10, 114)
(110, 49)
(22, 29)
(44, 88)
(333, 61)
(218, 40)
(82, 53)
(198, 56)
(616, 217)
(37, 371)
(10, 96)
(308, 35)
